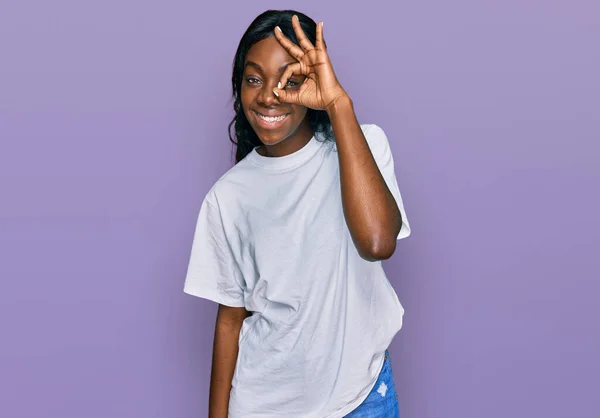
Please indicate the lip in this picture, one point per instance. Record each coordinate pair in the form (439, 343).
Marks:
(269, 125)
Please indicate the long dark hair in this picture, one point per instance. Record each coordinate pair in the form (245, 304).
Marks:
(261, 28)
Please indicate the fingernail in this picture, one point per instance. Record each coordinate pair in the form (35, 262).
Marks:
(279, 85)
(275, 93)
(322, 25)
(279, 29)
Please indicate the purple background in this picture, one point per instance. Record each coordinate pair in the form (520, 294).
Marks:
(113, 126)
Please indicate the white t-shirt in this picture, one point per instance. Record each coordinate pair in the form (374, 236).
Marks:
(271, 236)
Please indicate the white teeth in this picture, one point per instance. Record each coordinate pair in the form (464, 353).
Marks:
(271, 119)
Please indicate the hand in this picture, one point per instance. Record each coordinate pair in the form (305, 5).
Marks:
(320, 89)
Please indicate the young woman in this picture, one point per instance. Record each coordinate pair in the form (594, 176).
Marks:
(289, 241)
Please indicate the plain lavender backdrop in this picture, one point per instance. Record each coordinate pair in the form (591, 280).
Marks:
(113, 122)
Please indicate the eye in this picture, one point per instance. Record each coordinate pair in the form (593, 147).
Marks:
(292, 83)
(251, 80)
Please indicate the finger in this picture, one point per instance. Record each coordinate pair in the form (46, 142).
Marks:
(290, 70)
(292, 49)
(284, 96)
(320, 44)
(302, 39)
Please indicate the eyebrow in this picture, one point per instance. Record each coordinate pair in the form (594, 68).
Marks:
(258, 67)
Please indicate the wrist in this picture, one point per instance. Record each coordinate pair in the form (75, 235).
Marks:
(341, 102)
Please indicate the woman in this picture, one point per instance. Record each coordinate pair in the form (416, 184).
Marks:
(289, 241)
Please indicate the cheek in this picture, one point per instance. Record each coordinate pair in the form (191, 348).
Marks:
(245, 98)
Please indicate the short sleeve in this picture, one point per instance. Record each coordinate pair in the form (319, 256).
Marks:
(211, 271)
(380, 148)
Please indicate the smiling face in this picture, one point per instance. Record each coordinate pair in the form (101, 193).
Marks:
(273, 121)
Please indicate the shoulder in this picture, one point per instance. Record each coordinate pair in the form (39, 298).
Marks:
(377, 140)
(370, 127)
(231, 184)
(378, 144)
(374, 134)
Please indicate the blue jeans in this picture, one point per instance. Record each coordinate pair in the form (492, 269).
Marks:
(382, 401)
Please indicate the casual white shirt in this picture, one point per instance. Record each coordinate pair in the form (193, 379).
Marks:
(271, 236)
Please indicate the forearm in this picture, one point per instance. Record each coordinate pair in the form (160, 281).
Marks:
(225, 352)
(370, 209)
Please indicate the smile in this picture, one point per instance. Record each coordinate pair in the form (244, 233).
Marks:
(270, 121)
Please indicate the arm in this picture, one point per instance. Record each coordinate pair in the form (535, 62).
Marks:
(370, 209)
(225, 352)
(371, 212)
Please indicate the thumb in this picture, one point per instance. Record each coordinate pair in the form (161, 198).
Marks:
(286, 96)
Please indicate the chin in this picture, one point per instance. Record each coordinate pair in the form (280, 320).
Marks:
(270, 138)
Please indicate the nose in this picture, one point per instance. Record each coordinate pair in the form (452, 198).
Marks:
(266, 96)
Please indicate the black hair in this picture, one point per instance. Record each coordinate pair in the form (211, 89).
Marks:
(261, 28)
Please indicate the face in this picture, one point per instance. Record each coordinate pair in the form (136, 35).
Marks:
(272, 120)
